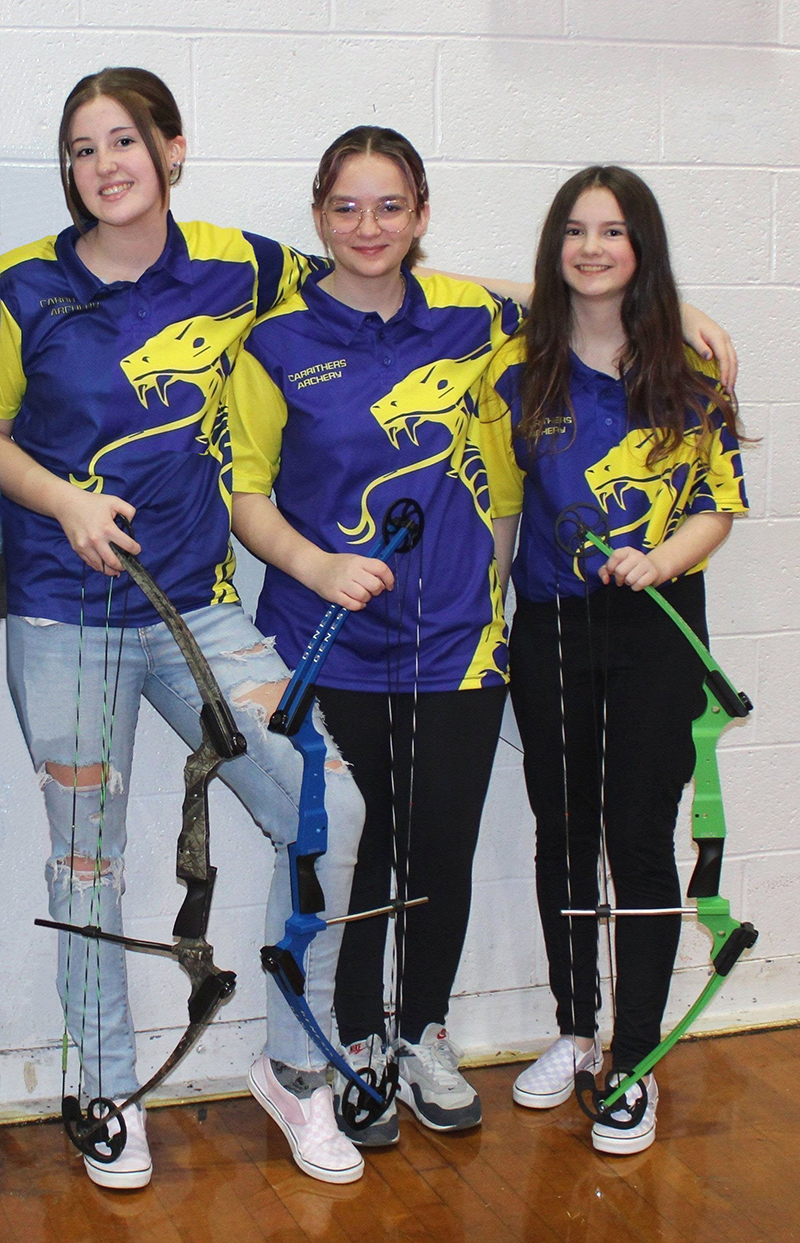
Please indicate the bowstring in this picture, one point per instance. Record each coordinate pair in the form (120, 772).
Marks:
(600, 726)
(400, 868)
(73, 830)
(108, 714)
(601, 738)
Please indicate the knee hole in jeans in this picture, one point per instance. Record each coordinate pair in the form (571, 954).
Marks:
(87, 778)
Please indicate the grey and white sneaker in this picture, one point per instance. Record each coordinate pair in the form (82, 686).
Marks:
(431, 1086)
(368, 1058)
(550, 1080)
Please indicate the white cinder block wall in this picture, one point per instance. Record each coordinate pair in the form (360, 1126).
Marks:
(504, 100)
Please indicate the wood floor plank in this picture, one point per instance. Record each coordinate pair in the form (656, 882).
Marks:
(723, 1170)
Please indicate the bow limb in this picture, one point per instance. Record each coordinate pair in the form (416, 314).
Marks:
(209, 985)
(730, 936)
(402, 529)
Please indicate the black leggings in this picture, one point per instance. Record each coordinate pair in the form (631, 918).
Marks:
(448, 744)
(635, 658)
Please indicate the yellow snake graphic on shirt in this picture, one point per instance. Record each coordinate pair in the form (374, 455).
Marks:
(192, 351)
(635, 495)
(437, 393)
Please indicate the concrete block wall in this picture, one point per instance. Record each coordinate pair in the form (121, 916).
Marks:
(504, 100)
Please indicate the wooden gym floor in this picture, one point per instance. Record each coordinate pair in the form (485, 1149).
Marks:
(725, 1168)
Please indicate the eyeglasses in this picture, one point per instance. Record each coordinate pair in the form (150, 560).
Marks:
(391, 215)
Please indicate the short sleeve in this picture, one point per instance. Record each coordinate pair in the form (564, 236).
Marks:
(506, 478)
(257, 415)
(12, 377)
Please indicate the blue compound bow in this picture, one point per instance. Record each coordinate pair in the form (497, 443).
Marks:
(366, 1098)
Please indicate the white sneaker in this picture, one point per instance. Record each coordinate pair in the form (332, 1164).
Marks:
(133, 1167)
(635, 1139)
(317, 1144)
(550, 1080)
(365, 1056)
(430, 1083)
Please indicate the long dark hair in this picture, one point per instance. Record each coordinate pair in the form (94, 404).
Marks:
(374, 140)
(661, 385)
(151, 106)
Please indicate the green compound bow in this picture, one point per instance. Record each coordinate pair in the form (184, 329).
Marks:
(731, 937)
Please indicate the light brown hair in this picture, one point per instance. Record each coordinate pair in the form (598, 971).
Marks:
(150, 105)
(374, 140)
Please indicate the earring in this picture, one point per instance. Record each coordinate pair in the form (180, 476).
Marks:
(175, 172)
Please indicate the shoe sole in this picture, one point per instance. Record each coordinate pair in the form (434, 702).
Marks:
(541, 1100)
(350, 1175)
(103, 1176)
(622, 1147)
(405, 1093)
(377, 1135)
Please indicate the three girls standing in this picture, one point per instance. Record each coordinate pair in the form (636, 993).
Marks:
(116, 338)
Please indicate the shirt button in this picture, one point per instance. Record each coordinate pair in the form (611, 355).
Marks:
(142, 314)
(608, 422)
(387, 362)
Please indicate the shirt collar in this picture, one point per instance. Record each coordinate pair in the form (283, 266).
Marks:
(174, 259)
(583, 376)
(344, 322)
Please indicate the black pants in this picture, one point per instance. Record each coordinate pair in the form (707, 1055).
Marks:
(446, 747)
(624, 658)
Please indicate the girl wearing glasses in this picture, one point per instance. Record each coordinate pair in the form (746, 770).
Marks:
(599, 405)
(353, 395)
(351, 399)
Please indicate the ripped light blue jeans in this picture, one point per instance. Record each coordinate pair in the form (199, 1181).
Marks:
(43, 663)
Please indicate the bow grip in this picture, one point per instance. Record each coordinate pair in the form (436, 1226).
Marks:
(708, 868)
(192, 919)
(310, 898)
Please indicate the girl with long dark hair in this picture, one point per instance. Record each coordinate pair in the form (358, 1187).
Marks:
(598, 406)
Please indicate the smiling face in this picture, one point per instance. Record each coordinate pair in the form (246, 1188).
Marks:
(113, 171)
(597, 258)
(376, 183)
